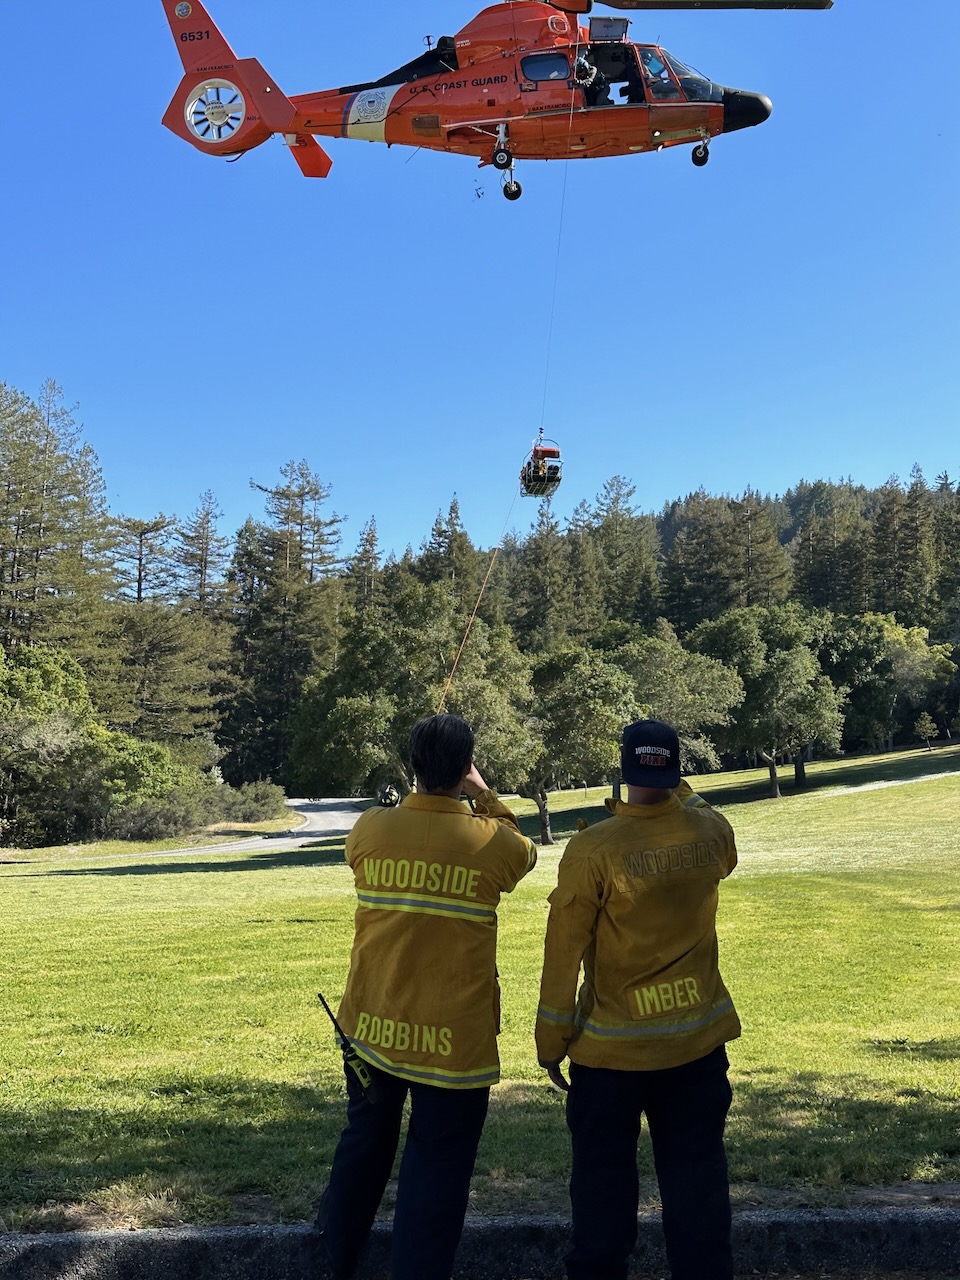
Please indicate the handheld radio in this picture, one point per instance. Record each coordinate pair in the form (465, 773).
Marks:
(351, 1058)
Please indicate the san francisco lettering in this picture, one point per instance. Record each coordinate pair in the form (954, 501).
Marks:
(372, 1029)
(429, 877)
(674, 857)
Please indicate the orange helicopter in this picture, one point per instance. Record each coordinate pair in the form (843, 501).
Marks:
(522, 80)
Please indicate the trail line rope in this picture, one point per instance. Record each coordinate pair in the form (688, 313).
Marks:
(476, 607)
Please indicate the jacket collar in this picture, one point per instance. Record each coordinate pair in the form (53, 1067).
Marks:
(624, 810)
(433, 804)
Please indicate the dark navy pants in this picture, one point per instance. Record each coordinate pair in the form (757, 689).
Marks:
(435, 1171)
(686, 1108)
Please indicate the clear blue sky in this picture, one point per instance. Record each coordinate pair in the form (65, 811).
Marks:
(789, 311)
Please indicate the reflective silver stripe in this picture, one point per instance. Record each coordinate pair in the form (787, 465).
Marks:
(639, 1032)
(552, 1015)
(430, 1075)
(426, 906)
(695, 802)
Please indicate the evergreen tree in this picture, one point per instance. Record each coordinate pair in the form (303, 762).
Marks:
(628, 548)
(285, 606)
(449, 556)
(80, 618)
(491, 690)
(38, 449)
(588, 613)
(145, 557)
(889, 546)
(364, 574)
(832, 554)
(701, 572)
(200, 559)
(165, 677)
(946, 538)
(763, 569)
(919, 553)
(542, 590)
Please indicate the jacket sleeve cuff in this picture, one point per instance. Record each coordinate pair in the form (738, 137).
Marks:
(552, 1040)
(489, 803)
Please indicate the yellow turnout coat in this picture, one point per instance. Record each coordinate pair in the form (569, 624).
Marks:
(422, 998)
(636, 904)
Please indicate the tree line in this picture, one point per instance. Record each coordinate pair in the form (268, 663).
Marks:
(154, 672)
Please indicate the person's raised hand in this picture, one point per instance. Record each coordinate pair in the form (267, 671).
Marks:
(473, 782)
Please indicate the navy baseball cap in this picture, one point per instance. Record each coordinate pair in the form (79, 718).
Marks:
(650, 755)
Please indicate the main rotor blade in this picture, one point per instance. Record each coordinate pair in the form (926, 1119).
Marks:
(583, 6)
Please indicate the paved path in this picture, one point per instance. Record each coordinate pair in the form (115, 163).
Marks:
(321, 819)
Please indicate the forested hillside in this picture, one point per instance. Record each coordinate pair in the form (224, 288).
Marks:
(145, 660)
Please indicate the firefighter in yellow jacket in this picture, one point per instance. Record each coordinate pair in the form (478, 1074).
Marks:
(422, 1003)
(636, 904)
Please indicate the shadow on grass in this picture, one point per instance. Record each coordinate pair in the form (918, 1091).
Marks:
(824, 775)
(821, 776)
(206, 1139)
(324, 853)
(827, 1131)
(563, 824)
(214, 1139)
(926, 1050)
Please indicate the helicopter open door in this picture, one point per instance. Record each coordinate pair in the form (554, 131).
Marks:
(542, 472)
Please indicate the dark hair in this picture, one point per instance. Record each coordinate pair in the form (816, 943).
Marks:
(441, 749)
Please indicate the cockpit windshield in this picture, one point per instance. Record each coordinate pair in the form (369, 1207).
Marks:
(696, 87)
(660, 82)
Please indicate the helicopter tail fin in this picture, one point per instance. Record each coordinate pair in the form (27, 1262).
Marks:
(199, 42)
(226, 105)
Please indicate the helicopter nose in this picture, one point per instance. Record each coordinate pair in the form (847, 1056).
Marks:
(742, 109)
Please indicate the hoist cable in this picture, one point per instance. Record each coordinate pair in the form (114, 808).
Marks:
(553, 304)
(543, 408)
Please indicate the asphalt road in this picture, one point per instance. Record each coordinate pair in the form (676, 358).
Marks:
(321, 819)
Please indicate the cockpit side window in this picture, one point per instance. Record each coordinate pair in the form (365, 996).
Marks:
(661, 84)
(545, 66)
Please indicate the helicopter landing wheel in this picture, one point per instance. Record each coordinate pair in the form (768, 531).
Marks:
(512, 190)
(502, 159)
(700, 155)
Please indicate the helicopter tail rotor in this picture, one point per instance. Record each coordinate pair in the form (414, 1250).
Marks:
(226, 105)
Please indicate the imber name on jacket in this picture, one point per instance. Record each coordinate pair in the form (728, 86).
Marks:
(434, 877)
(388, 1034)
(663, 997)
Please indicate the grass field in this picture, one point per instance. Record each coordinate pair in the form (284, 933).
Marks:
(163, 1057)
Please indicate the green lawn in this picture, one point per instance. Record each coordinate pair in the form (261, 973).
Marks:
(220, 833)
(163, 1057)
